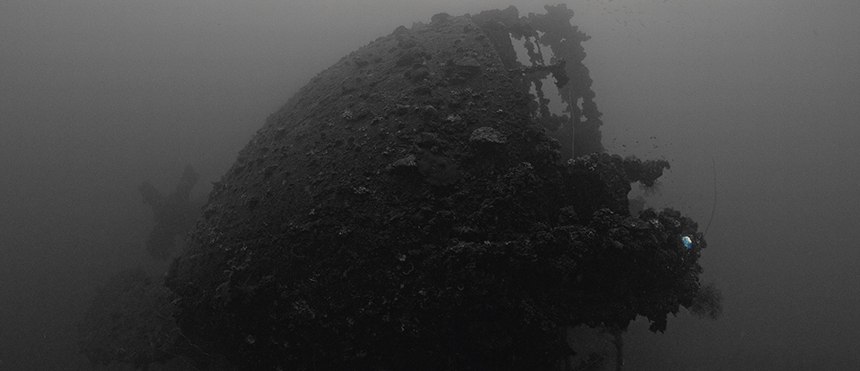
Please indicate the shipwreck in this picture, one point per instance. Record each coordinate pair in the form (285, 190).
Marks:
(438, 199)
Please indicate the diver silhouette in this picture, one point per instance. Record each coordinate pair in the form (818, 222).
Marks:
(174, 215)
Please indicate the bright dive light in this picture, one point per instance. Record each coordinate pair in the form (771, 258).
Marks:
(687, 242)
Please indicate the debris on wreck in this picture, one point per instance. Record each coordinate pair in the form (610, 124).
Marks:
(418, 205)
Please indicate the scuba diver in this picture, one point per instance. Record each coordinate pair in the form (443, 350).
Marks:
(174, 214)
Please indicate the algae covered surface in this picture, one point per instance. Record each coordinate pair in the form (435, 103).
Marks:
(129, 322)
(410, 208)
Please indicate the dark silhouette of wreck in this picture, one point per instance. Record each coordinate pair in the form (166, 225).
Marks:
(174, 214)
(419, 206)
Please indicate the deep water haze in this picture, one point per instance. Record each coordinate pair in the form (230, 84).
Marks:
(752, 103)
